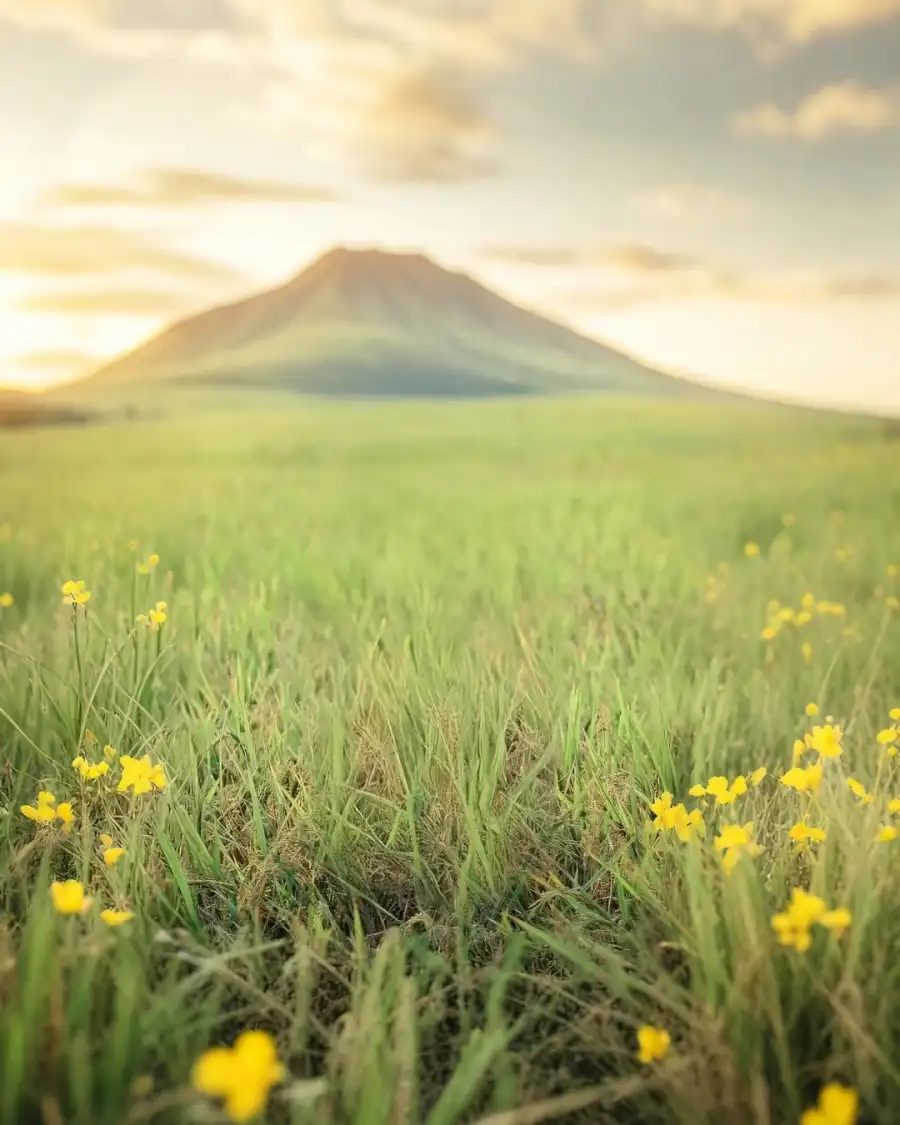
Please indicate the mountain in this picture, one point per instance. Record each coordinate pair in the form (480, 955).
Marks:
(373, 323)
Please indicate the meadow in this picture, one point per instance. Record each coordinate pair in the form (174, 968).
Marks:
(376, 738)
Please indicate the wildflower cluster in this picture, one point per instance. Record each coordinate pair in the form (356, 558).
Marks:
(734, 840)
(46, 811)
(155, 618)
(793, 927)
(70, 897)
(140, 775)
(676, 817)
(779, 616)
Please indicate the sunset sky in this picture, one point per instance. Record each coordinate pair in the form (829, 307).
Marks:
(709, 184)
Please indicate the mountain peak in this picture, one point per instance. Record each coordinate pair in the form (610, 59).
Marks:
(374, 261)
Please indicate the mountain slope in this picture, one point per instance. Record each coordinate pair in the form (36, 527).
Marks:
(368, 322)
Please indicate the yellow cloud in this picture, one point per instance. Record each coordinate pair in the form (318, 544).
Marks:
(424, 126)
(839, 108)
(773, 23)
(108, 302)
(620, 275)
(184, 187)
(57, 363)
(63, 251)
(625, 257)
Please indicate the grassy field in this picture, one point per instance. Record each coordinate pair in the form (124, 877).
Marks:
(424, 670)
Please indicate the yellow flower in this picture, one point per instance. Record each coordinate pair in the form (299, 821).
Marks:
(74, 594)
(895, 714)
(111, 856)
(242, 1074)
(858, 790)
(805, 779)
(733, 841)
(154, 618)
(837, 1105)
(44, 812)
(831, 609)
(7, 601)
(662, 809)
(140, 775)
(90, 771)
(653, 1043)
(132, 545)
(826, 741)
(719, 788)
(116, 917)
(69, 897)
(894, 806)
(806, 651)
(837, 921)
(799, 750)
(808, 601)
(146, 567)
(769, 633)
(667, 815)
(803, 618)
(793, 926)
(66, 815)
(802, 833)
(757, 776)
(888, 833)
(786, 615)
(751, 550)
(687, 823)
(888, 736)
(812, 708)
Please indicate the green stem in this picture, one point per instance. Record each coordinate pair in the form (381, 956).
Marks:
(78, 663)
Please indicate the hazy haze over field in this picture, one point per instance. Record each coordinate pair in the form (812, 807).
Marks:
(709, 185)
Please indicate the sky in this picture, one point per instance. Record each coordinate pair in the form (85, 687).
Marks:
(710, 185)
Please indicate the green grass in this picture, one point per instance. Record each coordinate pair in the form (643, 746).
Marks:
(424, 669)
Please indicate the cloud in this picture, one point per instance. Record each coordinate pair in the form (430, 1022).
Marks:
(203, 29)
(60, 251)
(184, 187)
(842, 107)
(620, 275)
(54, 361)
(386, 85)
(424, 127)
(775, 23)
(108, 302)
(688, 202)
(627, 257)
